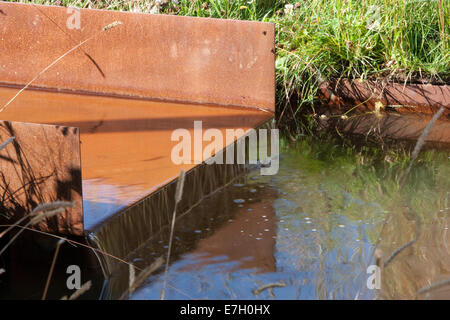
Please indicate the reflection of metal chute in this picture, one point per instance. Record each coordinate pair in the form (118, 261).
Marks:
(249, 238)
(175, 71)
(228, 235)
(388, 110)
(420, 266)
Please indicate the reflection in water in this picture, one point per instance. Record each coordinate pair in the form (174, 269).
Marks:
(101, 199)
(232, 230)
(313, 227)
(247, 239)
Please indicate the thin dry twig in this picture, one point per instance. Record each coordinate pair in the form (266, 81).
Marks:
(12, 226)
(109, 26)
(52, 267)
(35, 220)
(52, 206)
(85, 287)
(420, 143)
(70, 37)
(132, 277)
(48, 214)
(39, 208)
(178, 196)
(73, 242)
(269, 286)
(137, 281)
(396, 252)
(4, 144)
(434, 286)
(181, 292)
(415, 153)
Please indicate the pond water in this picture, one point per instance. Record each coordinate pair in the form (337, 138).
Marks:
(310, 231)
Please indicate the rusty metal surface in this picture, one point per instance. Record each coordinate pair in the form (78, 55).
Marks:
(126, 89)
(170, 58)
(41, 165)
(420, 98)
(125, 144)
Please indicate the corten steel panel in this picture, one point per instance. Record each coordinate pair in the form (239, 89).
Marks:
(396, 126)
(171, 58)
(41, 165)
(421, 98)
(125, 143)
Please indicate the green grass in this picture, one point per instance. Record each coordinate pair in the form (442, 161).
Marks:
(404, 40)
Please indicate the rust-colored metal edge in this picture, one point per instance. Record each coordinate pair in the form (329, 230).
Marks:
(126, 97)
(416, 98)
(41, 165)
(171, 58)
(126, 144)
(149, 57)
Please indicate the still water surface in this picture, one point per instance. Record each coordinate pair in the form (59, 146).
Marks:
(312, 229)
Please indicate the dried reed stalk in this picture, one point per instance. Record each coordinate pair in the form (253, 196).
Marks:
(52, 267)
(4, 144)
(109, 26)
(137, 281)
(85, 287)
